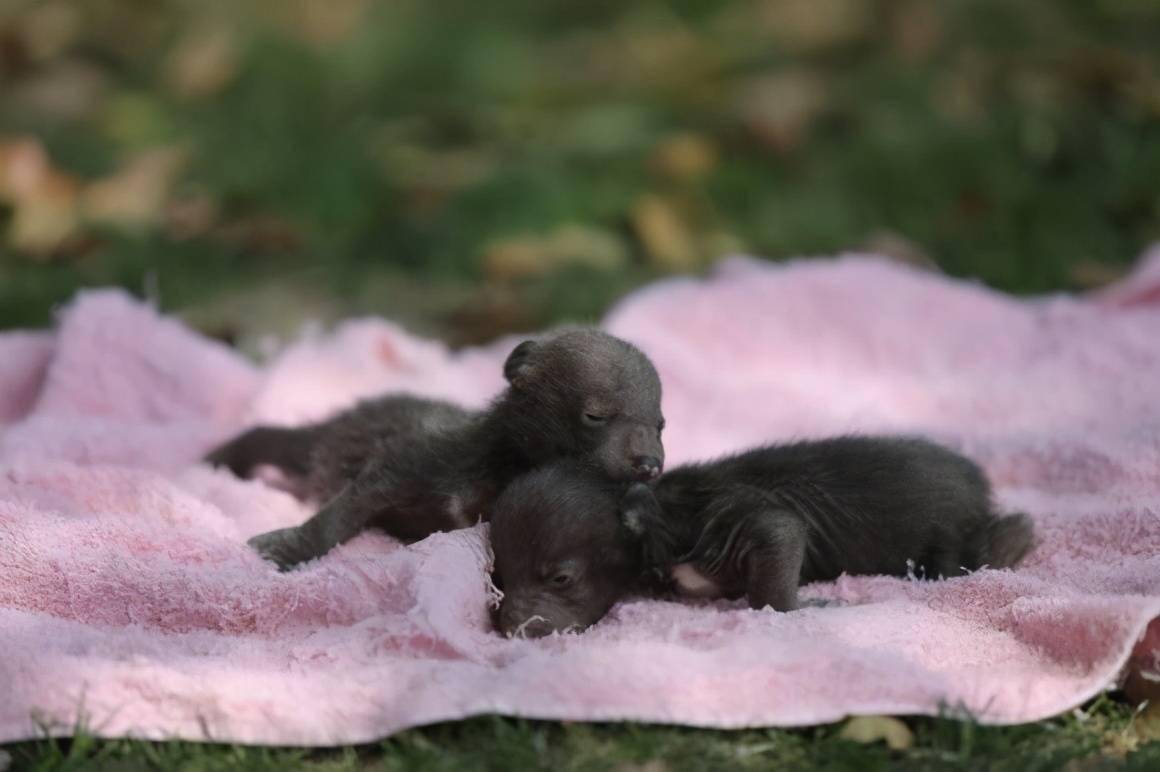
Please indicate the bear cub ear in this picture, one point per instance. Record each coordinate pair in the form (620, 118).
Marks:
(519, 361)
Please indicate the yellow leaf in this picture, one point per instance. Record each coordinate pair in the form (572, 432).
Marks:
(515, 258)
(204, 62)
(872, 729)
(588, 246)
(321, 24)
(666, 240)
(805, 25)
(135, 195)
(897, 247)
(1089, 274)
(685, 156)
(531, 255)
(43, 200)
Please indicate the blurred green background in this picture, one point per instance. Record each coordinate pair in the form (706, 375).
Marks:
(477, 168)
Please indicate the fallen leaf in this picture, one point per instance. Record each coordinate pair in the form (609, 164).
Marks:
(23, 167)
(587, 246)
(1091, 274)
(664, 56)
(779, 108)
(872, 729)
(44, 201)
(135, 195)
(898, 248)
(320, 24)
(203, 62)
(660, 48)
(685, 156)
(804, 25)
(44, 224)
(64, 90)
(533, 255)
(667, 242)
(515, 257)
(327, 23)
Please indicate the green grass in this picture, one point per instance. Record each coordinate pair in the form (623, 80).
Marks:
(1102, 736)
(1017, 143)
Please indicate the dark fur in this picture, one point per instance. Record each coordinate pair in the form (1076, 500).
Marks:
(320, 459)
(570, 566)
(412, 467)
(758, 524)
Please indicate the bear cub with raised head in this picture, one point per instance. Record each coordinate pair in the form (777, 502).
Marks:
(412, 466)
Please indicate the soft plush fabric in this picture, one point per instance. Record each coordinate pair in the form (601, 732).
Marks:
(130, 602)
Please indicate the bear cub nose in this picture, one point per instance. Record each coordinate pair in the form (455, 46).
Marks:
(646, 467)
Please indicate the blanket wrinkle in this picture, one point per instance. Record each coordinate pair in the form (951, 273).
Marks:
(25, 356)
(130, 602)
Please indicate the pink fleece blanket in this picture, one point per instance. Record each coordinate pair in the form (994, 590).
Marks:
(129, 600)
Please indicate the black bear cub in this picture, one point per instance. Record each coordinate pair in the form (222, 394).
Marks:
(569, 543)
(411, 466)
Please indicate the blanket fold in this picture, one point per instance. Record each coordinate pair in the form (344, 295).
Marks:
(130, 603)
